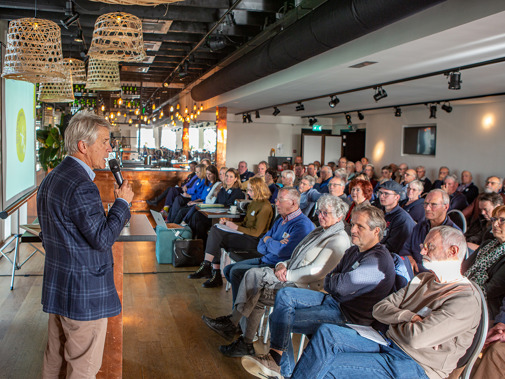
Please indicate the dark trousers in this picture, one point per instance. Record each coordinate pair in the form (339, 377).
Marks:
(171, 194)
(179, 202)
(220, 239)
(236, 271)
(200, 226)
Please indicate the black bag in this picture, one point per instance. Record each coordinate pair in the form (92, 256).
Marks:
(188, 253)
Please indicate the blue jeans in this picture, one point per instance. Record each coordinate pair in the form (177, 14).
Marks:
(236, 271)
(299, 310)
(340, 352)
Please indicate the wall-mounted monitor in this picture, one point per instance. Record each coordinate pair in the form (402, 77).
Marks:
(420, 140)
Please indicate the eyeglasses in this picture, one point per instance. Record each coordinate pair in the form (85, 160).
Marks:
(323, 213)
(431, 205)
(501, 220)
(489, 182)
(335, 185)
(279, 199)
(429, 247)
(385, 194)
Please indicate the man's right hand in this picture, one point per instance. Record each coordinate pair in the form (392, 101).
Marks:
(125, 192)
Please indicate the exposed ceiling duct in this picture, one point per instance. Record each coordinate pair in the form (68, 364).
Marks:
(330, 25)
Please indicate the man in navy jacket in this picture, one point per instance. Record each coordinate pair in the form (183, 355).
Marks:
(78, 288)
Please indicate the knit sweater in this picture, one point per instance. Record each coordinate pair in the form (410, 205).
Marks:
(441, 338)
(257, 220)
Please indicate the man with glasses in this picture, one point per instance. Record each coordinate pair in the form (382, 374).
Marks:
(308, 195)
(457, 199)
(493, 185)
(443, 171)
(364, 276)
(436, 206)
(279, 242)
(399, 223)
(337, 187)
(421, 176)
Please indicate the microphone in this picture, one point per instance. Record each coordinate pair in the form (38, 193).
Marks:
(116, 171)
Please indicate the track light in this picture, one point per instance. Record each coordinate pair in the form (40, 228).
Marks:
(447, 107)
(257, 114)
(300, 107)
(78, 36)
(433, 111)
(380, 93)
(348, 119)
(244, 118)
(249, 118)
(361, 116)
(454, 80)
(276, 111)
(333, 101)
(398, 112)
(69, 20)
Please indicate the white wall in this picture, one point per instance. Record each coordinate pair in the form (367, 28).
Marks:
(465, 140)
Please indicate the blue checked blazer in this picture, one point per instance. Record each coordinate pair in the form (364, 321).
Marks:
(77, 237)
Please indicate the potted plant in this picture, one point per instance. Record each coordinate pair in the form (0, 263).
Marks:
(52, 148)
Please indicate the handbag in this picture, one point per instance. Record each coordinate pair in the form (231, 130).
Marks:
(188, 253)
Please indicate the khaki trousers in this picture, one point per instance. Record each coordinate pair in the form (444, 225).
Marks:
(492, 364)
(74, 348)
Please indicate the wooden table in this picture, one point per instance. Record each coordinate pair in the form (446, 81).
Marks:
(215, 216)
(140, 229)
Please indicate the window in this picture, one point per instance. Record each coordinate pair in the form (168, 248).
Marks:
(147, 138)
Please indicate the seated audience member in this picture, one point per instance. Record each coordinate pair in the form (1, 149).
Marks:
(333, 166)
(493, 185)
(436, 206)
(308, 195)
(351, 170)
(359, 167)
(298, 159)
(314, 257)
(192, 193)
(421, 176)
(324, 178)
(271, 182)
(364, 161)
(341, 173)
(442, 173)
(206, 162)
(336, 188)
(342, 162)
(287, 178)
(386, 174)
(369, 170)
(364, 275)
(361, 193)
(408, 177)
(286, 166)
(172, 192)
(229, 192)
(245, 174)
(467, 187)
(480, 229)
(256, 222)
(486, 266)
(492, 363)
(458, 200)
(262, 169)
(399, 223)
(432, 322)
(311, 170)
(400, 173)
(299, 170)
(211, 178)
(413, 205)
(278, 243)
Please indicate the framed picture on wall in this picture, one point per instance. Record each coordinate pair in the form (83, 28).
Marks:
(420, 140)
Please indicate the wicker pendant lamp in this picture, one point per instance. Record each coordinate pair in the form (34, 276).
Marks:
(138, 2)
(77, 70)
(33, 51)
(60, 92)
(118, 37)
(103, 75)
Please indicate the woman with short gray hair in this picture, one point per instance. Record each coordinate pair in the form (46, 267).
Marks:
(413, 205)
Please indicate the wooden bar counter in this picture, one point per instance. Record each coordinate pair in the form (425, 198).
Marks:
(146, 183)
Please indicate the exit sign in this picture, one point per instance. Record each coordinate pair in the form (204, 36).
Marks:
(317, 128)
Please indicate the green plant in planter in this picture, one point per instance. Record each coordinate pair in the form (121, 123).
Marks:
(52, 147)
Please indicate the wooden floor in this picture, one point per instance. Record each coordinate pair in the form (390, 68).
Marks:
(164, 336)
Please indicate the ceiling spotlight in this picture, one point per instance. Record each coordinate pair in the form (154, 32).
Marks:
(361, 116)
(398, 112)
(312, 121)
(380, 93)
(454, 80)
(78, 36)
(300, 107)
(249, 118)
(447, 107)
(257, 114)
(244, 118)
(69, 20)
(276, 111)
(348, 119)
(433, 111)
(333, 101)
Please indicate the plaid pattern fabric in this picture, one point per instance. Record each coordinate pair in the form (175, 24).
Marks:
(78, 237)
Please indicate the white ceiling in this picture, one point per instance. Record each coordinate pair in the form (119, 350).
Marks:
(453, 34)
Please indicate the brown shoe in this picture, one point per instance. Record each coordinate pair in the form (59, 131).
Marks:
(263, 366)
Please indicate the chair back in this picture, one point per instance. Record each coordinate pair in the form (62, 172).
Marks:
(458, 218)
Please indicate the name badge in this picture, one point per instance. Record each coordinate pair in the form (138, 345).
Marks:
(285, 235)
(229, 191)
(355, 265)
(253, 213)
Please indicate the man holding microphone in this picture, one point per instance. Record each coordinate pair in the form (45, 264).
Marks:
(78, 288)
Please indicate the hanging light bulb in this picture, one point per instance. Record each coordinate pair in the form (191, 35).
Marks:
(118, 113)
(194, 107)
(161, 114)
(102, 108)
(178, 106)
(137, 112)
(120, 101)
(201, 107)
(154, 119)
(186, 110)
(112, 116)
(171, 108)
(130, 121)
